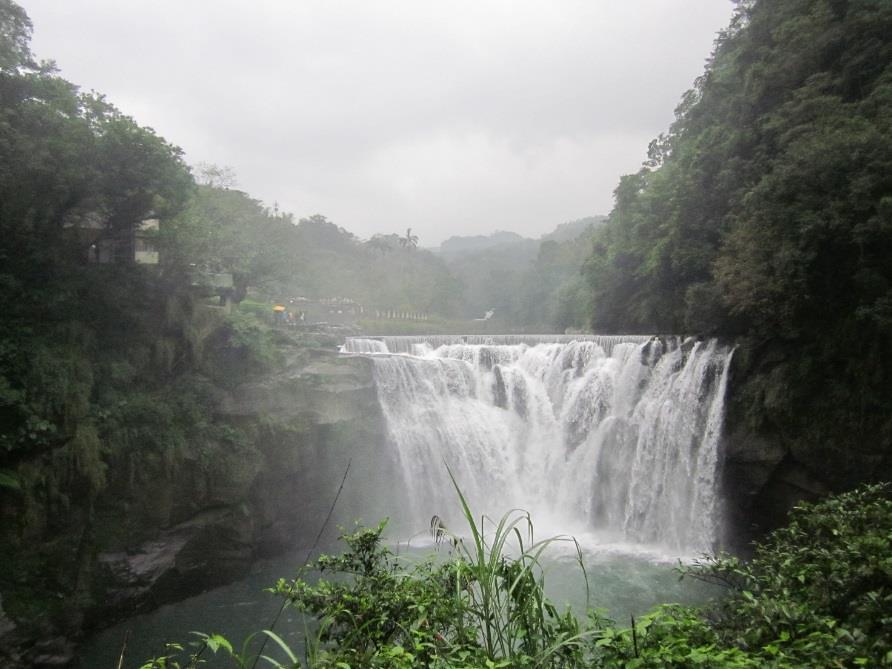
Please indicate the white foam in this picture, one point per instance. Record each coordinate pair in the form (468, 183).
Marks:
(614, 439)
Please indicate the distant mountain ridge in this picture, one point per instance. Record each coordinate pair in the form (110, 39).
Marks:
(470, 244)
(574, 229)
(527, 283)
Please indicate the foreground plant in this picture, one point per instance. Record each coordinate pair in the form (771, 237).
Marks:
(482, 606)
(817, 594)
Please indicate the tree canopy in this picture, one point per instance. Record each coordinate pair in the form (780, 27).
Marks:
(67, 158)
(765, 213)
(766, 206)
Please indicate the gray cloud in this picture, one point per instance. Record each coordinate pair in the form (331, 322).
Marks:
(452, 118)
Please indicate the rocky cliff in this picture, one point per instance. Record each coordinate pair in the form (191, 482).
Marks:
(788, 440)
(162, 530)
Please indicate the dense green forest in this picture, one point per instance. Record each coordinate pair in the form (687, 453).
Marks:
(108, 370)
(530, 284)
(765, 208)
(765, 214)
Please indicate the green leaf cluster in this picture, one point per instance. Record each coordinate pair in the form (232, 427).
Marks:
(816, 592)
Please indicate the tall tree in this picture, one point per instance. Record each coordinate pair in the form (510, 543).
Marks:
(15, 37)
(224, 230)
(409, 241)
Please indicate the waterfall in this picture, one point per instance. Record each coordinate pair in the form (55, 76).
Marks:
(357, 345)
(616, 436)
(420, 345)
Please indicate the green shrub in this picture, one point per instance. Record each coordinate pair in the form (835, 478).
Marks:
(244, 346)
(671, 636)
(817, 594)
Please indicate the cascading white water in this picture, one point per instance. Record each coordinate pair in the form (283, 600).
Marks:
(421, 345)
(613, 435)
(356, 345)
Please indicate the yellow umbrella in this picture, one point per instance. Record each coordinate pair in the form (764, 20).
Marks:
(278, 307)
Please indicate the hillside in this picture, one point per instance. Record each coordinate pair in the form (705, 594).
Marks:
(455, 246)
(530, 284)
(764, 214)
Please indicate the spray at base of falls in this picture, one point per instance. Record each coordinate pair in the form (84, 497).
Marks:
(616, 436)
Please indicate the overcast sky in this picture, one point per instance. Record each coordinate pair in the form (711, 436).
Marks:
(450, 117)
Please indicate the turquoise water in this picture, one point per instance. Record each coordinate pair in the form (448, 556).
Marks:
(624, 579)
(235, 611)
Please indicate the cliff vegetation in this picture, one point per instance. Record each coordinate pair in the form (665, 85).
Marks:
(764, 215)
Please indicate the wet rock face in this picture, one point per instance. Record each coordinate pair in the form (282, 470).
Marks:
(787, 441)
(308, 419)
(319, 415)
(48, 653)
(7, 626)
(323, 387)
(754, 450)
(762, 482)
(18, 650)
(8, 639)
(130, 577)
(162, 532)
(211, 550)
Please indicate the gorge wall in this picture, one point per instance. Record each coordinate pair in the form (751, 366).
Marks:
(798, 428)
(163, 529)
